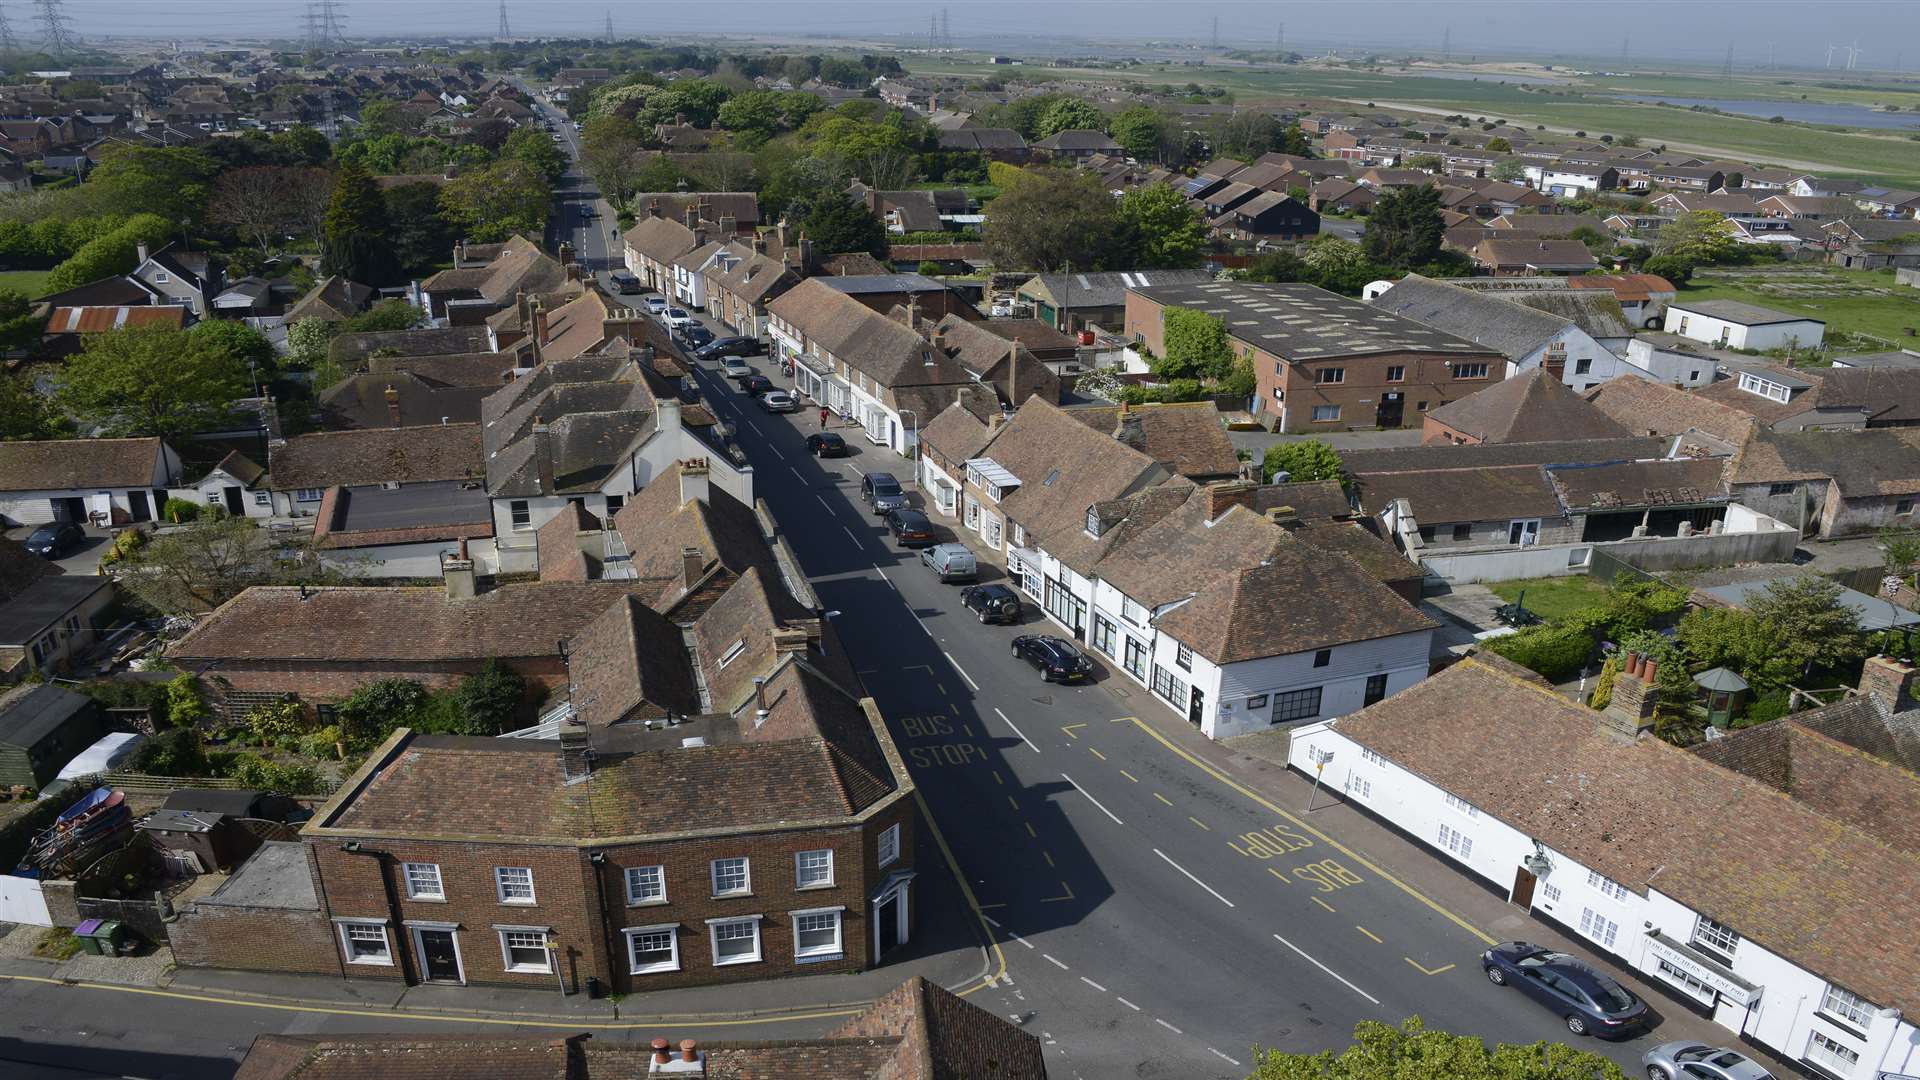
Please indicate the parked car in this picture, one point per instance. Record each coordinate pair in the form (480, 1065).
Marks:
(624, 282)
(953, 562)
(677, 318)
(992, 603)
(778, 401)
(735, 368)
(586, 210)
(1698, 1061)
(910, 527)
(694, 335)
(882, 492)
(56, 539)
(755, 385)
(730, 346)
(1589, 1001)
(655, 305)
(826, 444)
(1057, 659)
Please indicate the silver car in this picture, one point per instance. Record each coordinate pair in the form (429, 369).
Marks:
(1698, 1061)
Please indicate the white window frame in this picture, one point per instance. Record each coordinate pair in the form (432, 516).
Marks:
(733, 652)
(416, 892)
(1319, 414)
(1371, 756)
(1719, 940)
(1470, 371)
(746, 876)
(1825, 1050)
(800, 859)
(1846, 1007)
(1454, 841)
(1182, 656)
(500, 886)
(1598, 927)
(306, 495)
(818, 953)
(506, 933)
(633, 934)
(345, 929)
(713, 939)
(633, 876)
(520, 515)
(1462, 805)
(887, 846)
(1606, 886)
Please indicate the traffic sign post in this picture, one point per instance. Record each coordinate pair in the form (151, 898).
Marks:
(1320, 760)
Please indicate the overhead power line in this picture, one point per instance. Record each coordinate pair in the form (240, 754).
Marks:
(504, 31)
(54, 31)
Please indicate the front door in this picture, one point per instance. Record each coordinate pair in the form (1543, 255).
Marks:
(1391, 411)
(232, 495)
(886, 916)
(1523, 532)
(137, 507)
(1523, 880)
(1196, 706)
(439, 956)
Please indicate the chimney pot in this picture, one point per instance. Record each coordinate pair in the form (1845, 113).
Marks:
(693, 563)
(662, 1051)
(689, 1050)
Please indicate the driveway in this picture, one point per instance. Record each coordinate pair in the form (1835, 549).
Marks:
(83, 560)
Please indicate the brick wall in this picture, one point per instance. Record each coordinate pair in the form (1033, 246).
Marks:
(254, 939)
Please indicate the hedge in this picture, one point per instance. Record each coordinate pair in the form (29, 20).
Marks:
(1555, 652)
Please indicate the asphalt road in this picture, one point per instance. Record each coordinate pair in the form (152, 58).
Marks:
(1157, 921)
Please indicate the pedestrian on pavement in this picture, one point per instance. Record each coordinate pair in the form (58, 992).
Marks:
(823, 419)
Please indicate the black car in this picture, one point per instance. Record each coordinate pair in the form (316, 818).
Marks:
(755, 385)
(882, 492)
(826, 444)
(992, 603)
(56, 539)
(729, 346)
(1588, 1001)
(1057, 659)
(910, 527)
(695, 335)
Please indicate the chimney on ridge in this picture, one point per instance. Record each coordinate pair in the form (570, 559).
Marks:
(1630, 711)
(543, 455)
(393, 405)
(693, 566)
(1129, 429)
(1224, 495)
(1889, 682)
(693, 480)
(456, 571)
(576, 751)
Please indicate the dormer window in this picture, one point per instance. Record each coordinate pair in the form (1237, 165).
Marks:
(1766, 388)
(1093, 521)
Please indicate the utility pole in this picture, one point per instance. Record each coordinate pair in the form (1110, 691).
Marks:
(1770, 66)
(332, 23)
(933, 32)
(54, 29)
(504, 32)
(1623, 51)
(1280, 38)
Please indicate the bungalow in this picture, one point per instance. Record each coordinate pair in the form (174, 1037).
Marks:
(1830, 484)
(1075, 144)
(1733, 324)
(304, 468)
(1569, 178)
(1507, 258)
(234, 484)
(47, 616)
(1535, 407)
(1643, 298)
(102, 482)
(996, 144)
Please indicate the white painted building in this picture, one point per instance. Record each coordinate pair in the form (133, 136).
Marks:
(1733, 971)
(690, 276)
(1734, 325)
(1653, 358)
(103, 481)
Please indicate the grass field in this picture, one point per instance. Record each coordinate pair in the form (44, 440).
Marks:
(1794, 88)
(1848, 301)
(1554, 597)
(31, 282)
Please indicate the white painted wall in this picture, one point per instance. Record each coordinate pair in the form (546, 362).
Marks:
(391, 560)
(1578, 346)
(1663, 365)
(21, 901)
(1802, 333)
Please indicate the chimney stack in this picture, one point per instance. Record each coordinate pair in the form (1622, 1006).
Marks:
(539, 329)
(576, 751)
(791, 639)
(1224, 495)
(780, 233)
(728, 225)
(806, 255)
(694, 483)
(699, 236)
(1630, 711)
(759, 243)
(760, 693)
(1889, 682)
(140, 253)
(566, 253)
(693, 213)
(456, 572)
(1128, 429)
(459, 253)
(653, 207)
(543, 455)
(693, 566)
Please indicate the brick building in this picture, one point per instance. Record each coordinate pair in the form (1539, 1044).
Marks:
(1324, 362)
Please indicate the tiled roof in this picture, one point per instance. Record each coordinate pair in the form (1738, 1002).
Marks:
(1064, 467)
(1281, 607)
(662, 239)
(1680, 481)
(1187, 436)
(1454, 496)
(955, 434)
(333, 299)
(1873, 461)
(1492, 455)
(490, 370)
(1532, 407)
(1644, 405)
(368, 623)
(658, 526)
(423, 341)
(63, 464)
(630, 661)
(886, 351)
(1729, 846)
(377, 456)
(95, 320)
(1302, 322)
(1350, 538)
(1548, 254)
(1182, 552)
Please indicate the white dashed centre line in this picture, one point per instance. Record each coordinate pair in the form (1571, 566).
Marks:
(969, 678)
(1127, 1003)
(1020, 939)
(1325, 968)
(1003, 716)
(1048, 957)
(1200, 883)
(1093, 984)
(1168, 1026)
(1109, 813)
(1222, 1057)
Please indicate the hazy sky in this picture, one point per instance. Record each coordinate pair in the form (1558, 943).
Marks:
(1798, 30)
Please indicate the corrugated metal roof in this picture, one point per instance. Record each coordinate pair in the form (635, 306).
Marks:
(94, 320)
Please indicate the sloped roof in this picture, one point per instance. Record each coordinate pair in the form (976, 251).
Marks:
(887, 351)
(1494, 320)
(63, 464)
(1675, 482)
(1645, 406)
(1870, 461)
(1064, 466)
(1550, 254)
(1457, 496)
(1597, 313)
(1494, 455)
(378, 455)
(1188, 435)
(1531, 407)
(96, 320)
(333, 299)
(955, 433)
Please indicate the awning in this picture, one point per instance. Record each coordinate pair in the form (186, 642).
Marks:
(814, 363)
(1700, 966)
(1027, 557)
(993, 472)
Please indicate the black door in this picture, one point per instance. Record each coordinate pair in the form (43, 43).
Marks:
(1196, 705)
(73, 509)
(137, 506)
(1391, 410)
(232, 495)
(887, 916)
(438, 958)
(1376, 689)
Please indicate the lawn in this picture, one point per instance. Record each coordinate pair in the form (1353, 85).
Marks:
(1554, 597)
(31, 282)
(1848, 301)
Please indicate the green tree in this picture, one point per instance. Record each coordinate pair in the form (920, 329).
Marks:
(1056, 218)
(531, 147)
(112, 253)
(20, 327)
(1196, 346)
(503, 199)
(185, 706)
(1899, 550)
(1671, 267)
(150, 380)
(1738, 641)
(1070, 114)
(171, 181)
(1413, 1051)
(369, 714)
(419, 234)
(1140, 132)
(488, 701)
(1432, 163)
(1700, 237)
(837, 224)
(301, 146)
(1162, 227)
(1816, 629)
(245, 346)
(1405, 227)
(1276, 266)
(1294, 141)
(1329, 254)
(1303, 461)
(612, 151)
(379, 116)
(24, 412)
(1509, 171)
(1498, 145)
(191, 571)
(354, 232)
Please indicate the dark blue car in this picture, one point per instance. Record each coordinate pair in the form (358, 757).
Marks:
(1588, 1001)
